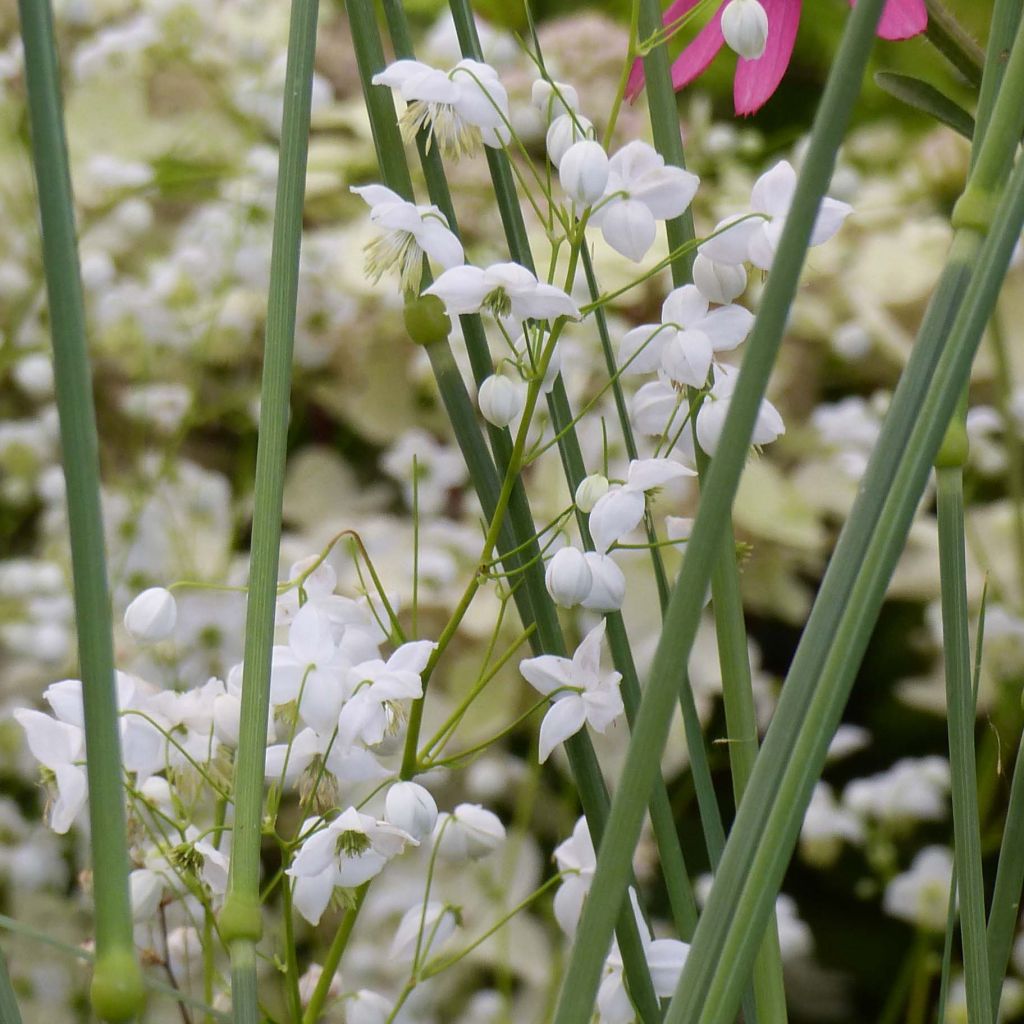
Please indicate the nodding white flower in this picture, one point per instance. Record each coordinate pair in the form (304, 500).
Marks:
(745, 28)
(367, 1007)
(580, 692)
(589, 490)
(912, 790)
(351, 850)
(608, 589)
(622, 508)
(59, 747)
(424, 928)
(577, 860)
(641, 190)
(568, 577)
(683, 345)
(459, 108)
(468, 832)
(920, 895)
(583, 172)
(500, 399)
(565, 131)
(715, 407)
(554, 99)
(407, 233)
(757, 238)
(665, 958)
(505, 289)
(719, 282)
(151, 616)
(411, 808)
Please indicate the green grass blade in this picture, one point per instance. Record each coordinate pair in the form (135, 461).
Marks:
(947, 35)
(960, 711)
(926, 98)
(240, 920)
(9, 1012)
(684, 611)
(117, 981)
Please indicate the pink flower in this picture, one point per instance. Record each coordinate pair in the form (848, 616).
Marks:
(757, 80)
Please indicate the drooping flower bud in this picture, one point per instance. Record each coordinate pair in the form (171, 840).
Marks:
(565, 131)
(151, 616)
(554, 99)
(583, 172)
(719, 282)
(590, 489)
(568, 577)
(500, 400)
(411, 808)
(609, 588)
(745, 28)
(470, 831)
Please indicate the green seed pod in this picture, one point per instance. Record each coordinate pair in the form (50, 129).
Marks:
(426, 321)
(117, 993)
(955, 446)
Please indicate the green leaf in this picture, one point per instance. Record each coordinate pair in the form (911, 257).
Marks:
(926, 98)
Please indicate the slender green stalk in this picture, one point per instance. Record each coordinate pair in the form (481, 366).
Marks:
(960, 711)
(333, 958)
(650, 734)
(241, 919)
(9, 1012)
(744, 890)
(769, 995)
(117, 989)
(948, 36)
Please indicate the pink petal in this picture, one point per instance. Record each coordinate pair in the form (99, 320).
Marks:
(901, 19)
(636, 75)
(756, 80)
(693, 61)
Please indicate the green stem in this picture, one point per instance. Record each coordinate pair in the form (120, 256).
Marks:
(9, 1012)
(960, 705)
(291, 959)
(117, 989)
(947, 35)
(334, 955)
(241, 919)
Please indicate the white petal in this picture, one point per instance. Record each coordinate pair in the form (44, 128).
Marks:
(726, 327)
(640, 349)
(309, 636)
(773, 191)
(461, 289)
(395, 74)
(720, 282)
(412, 657)
(613, 1002)
(565, 719)
(545, 302)
(439, 243)
(586, 661)
(609, 587)
(666, 192)
(311, 895)
(666, 959)
(829, 220)
(710, 421)
(604, 703)
(353, 871)
(687, 358)
(731, 245)
(646, 474)
(614, 515)
(769, 424)
(764, 242)
(629, 228)
(546, 673)
(72, 793)
(653, 405)
(568, 904)
(374, 195)
(52, 743)
(684, 306)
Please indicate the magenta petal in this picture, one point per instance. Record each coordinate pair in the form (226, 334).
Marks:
(901, 19)
(756, 80)
(693, 61)
(636, 75)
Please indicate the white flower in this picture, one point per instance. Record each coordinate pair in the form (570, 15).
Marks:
(460, 108)
(554, 99)
(505, 289)
(397, 678)
(568, 577)
(715, 407)
(583, 172)
(683, 345)
(757, 238)
(422, 930)
(577, 860)
(920, 895)
(608, 589)
(470, 831)
(501, 400)
(589, 490)
(351, 850)
(641, 190)
(910, 791)
(719, 282)
(826, 826)
(408, 232)
(745, 28)
(58, 746)
(622, 508)
(563, 132)
(580, 692)
(411, 808)
(367, 1007)
(151, 616)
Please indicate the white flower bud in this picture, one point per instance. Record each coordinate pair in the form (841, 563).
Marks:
(554, 100)
(411, 808)
(500, 400)
(469, 831)
(609, 589)
(564, 131)
(151, 616)
(583, 172)
(719, 282)
(745, 28)
(590, 489)
(568, 578)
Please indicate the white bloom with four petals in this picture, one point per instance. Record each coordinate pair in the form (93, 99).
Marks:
(505, 289)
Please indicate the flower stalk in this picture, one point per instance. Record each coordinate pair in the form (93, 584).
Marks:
(117, 991)
(241, 918)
